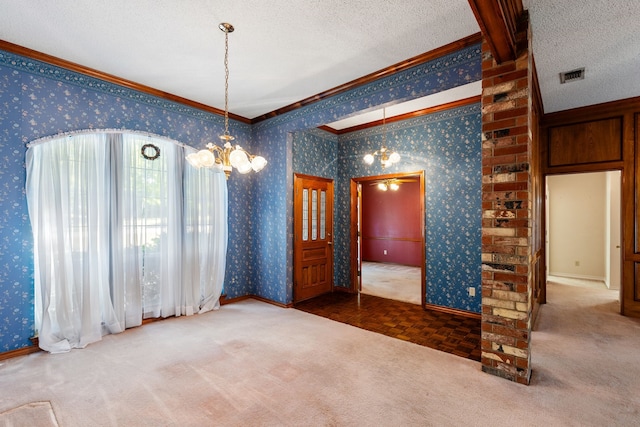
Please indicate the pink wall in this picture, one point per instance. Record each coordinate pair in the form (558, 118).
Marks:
(391, 221)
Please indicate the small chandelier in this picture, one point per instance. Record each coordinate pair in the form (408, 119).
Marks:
(388, 184)
(387, 157)
(226, 157)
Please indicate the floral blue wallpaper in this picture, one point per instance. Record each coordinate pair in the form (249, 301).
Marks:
(447, 146)
(40, 100)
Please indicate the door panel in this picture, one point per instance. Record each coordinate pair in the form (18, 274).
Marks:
(313, 239)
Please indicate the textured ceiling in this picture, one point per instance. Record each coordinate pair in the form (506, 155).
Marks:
(284, 51)
(603, 36)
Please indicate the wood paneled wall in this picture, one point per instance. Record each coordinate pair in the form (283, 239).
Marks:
(600, 138)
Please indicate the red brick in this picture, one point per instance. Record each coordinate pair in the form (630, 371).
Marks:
(512, 149)
(487, 83)
(522, 363)
(501, 160)
(499, 115)
(510, 186)
(516, 333)
(520, 130)
(502, 69)
(510, 277)
(509, 77)
(499, 249)
(499, 124)
(523, 84)
(521, 324)
(522, 121)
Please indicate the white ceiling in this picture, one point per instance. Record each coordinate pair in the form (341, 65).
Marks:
(284, 51)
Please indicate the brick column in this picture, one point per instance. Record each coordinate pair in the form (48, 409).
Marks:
(506, 215)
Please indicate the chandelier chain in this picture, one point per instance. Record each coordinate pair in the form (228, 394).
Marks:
(226, 83)
(228, 156)
(384, 128)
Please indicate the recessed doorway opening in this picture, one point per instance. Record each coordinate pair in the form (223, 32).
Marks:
(389, 236)
(583, 230)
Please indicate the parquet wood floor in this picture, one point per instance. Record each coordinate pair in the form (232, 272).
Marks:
(447, 332)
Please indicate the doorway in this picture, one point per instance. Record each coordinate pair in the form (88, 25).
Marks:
(388, 232)
(583, 229)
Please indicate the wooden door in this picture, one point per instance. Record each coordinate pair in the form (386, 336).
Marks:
(313, 237)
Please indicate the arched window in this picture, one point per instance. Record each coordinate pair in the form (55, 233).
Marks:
(124, 229)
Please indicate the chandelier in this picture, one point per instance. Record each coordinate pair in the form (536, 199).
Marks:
(228, 156)
(387, 157)
(388, 184)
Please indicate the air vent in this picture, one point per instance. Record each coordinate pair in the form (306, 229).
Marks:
(571, 76)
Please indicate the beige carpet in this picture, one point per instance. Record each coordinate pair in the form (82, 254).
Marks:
(30, 414)
(392, 281)
(254, 364)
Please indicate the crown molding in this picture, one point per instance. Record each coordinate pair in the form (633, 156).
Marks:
(81, 69)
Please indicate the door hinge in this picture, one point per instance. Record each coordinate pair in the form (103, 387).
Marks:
(359, 273)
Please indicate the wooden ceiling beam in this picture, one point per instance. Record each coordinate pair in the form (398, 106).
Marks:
(498, 21)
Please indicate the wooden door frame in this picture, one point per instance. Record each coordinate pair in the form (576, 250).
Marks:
(353, 228)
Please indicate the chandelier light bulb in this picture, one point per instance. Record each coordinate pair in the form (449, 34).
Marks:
(394, 186)
(382, 186)
(258, 163)
(394, 157)
(206, 158)
(238, 158)
(368, 159)
(244, 168)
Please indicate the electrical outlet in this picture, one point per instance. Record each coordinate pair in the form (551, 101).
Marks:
(472, 291)
(384, 251)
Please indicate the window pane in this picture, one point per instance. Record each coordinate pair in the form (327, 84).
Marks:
(305, 214)
(314, 215)
(323, 214)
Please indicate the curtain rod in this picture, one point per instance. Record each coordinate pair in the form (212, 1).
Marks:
(109, 131)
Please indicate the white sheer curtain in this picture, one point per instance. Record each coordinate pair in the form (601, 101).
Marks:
(119, 238)
(204, 239)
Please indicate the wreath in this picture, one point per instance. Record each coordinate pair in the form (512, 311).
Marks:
(155, 150)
